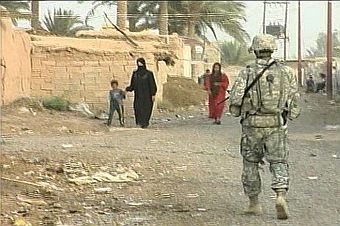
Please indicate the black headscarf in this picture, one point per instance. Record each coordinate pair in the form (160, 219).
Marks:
(215, 77)
(141, 65)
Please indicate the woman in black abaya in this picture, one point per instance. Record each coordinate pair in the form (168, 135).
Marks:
(144, 86)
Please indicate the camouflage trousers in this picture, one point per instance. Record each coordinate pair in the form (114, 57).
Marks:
(264, 143)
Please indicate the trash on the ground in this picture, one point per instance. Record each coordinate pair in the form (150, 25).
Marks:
(177, 116)
(153, 141)
(49, 186)
(191, 116)
(20, 222)
(83, 108)
(65, 146)
(57, 206)
(103, 190)
(4, 166)
(166, 195)
(312, 178)
(33, 112)
(312, 155)
(192, 195)
(181, 168)
(332, 127)
(102, 115)
(335, 156)
(202, 209)
(63, 129)
(318, 137)
(29, 173)
(23, 110)
(128, 176)
(33, 201)
(332, 102)
(135, 203)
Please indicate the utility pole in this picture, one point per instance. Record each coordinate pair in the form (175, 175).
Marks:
(264, 17)
(329, 51)
(285, 34)
(299, 45)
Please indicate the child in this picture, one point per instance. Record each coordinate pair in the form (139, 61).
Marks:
(115, 99)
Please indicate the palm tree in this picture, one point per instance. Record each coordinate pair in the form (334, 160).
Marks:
(35, 23)
(196, 17)
(163, 18)
(121, 14)
(140, 13)
(320, 49)
(234, 53)
(14, 8)
(63, 22)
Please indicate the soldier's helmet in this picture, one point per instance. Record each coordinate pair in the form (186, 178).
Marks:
(263, 42)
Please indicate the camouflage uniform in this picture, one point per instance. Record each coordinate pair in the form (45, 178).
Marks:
(264, 112)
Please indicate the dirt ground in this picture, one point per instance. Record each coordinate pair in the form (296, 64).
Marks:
(182, 171)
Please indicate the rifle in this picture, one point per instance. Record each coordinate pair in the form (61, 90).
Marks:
(225, 99)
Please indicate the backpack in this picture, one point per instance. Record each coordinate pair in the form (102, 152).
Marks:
(268, 96)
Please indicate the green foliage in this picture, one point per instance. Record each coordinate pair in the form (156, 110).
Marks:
(141, 14)
(196, 16)
(14, 7)
(200, 16)
(320, 49)
(63, 22)
(56, 103)
(234, 53)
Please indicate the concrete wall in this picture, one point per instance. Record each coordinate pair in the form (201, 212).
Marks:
(15, 69)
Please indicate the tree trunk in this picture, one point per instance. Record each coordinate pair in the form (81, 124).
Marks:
(163, 18)
(35, 22)
(121, 14)
(132, 24)
(186, 28)
(191, 28)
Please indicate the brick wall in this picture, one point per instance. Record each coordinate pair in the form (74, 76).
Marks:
(84, 76)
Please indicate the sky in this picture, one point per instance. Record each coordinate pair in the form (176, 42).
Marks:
(313, 19)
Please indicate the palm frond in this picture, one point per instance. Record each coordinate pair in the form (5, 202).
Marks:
(224, 15)
(15, 8)
(63, 22)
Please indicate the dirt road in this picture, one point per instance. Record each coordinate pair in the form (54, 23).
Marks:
(188, 170)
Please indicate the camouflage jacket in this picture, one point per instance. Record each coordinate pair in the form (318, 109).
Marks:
(276, 92)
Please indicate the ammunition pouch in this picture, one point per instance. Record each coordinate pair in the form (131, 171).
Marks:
(264, 121)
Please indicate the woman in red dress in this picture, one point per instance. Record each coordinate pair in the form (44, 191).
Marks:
(216, 84)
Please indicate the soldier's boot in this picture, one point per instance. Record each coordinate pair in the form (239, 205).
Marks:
(255, 206)
(281, 204)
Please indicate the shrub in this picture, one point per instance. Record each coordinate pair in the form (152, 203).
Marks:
(56, 103)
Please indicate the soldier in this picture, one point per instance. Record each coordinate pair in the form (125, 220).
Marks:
(265, 96)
